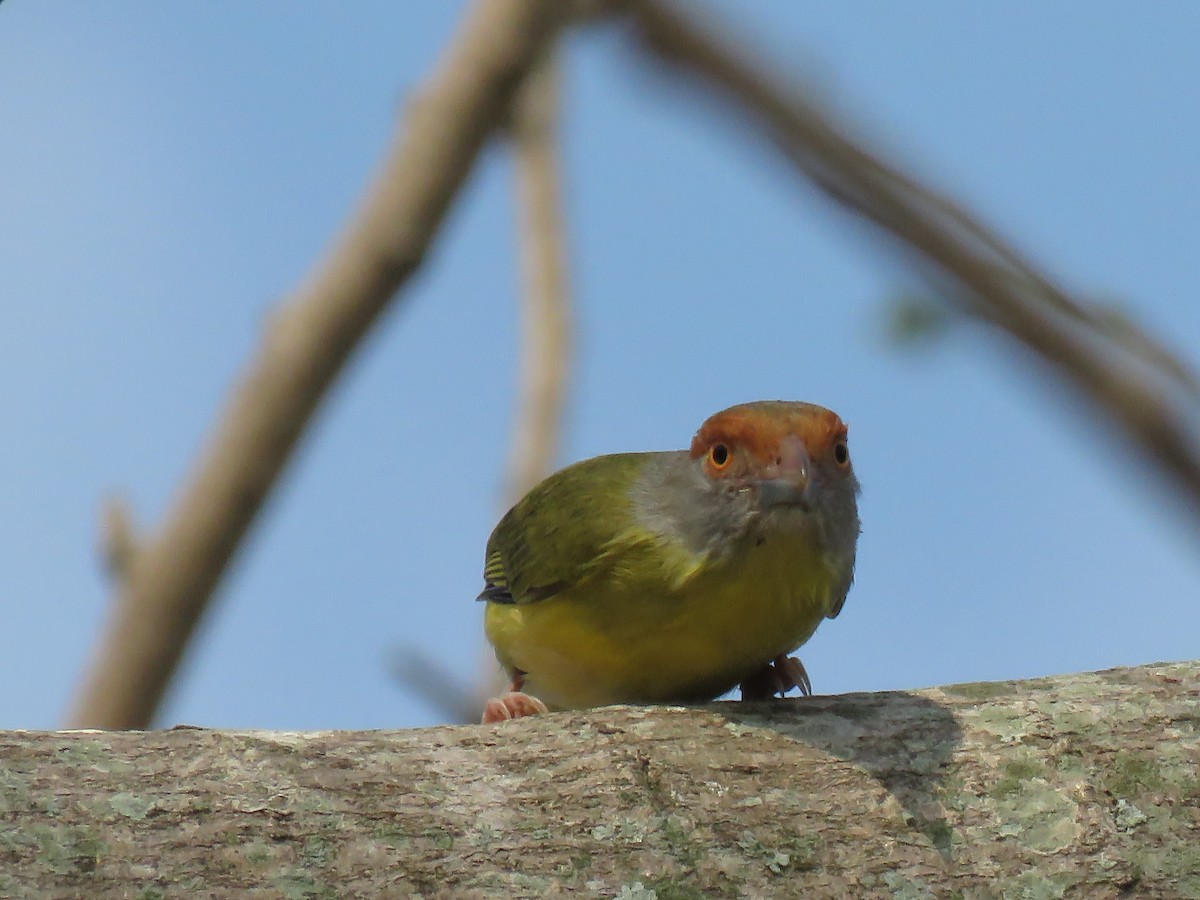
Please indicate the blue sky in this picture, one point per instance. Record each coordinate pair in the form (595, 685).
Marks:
(169, 173)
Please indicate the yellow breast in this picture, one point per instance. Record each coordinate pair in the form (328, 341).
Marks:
(642, 634)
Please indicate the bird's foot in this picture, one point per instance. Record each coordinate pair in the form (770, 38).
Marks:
(512, 705)
(778, 676)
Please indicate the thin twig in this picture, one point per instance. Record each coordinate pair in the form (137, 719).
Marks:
(545, 342)
(985, 275)
(176, 570)
(436, 683)
(118, 542)
(546, 307)
(545, 354)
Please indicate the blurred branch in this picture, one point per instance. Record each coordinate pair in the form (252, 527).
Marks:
(437, 684)
(545, 347)
(176, 570)
(546, 307)
(1129, 376)
(118, 541)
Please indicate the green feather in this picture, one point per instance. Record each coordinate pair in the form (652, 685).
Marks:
(572, 526)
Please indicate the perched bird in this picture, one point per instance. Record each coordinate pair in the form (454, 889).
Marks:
(673, 577)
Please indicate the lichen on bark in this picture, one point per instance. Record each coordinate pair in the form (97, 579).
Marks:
(1084, 785)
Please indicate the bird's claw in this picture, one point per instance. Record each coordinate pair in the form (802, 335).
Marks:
(778, 676)
(513, 705)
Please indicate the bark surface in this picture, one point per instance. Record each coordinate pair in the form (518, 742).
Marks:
(1075, 786)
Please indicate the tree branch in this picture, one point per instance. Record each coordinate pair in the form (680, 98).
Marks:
(118, 542)
(546, 307)
(1082, 785)
(544, 356)
(1132, 381)
(177, 569)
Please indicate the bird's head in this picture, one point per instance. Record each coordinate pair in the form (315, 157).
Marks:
(754, 469)
(776, 453)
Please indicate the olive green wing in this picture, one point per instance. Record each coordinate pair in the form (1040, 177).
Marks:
(572, 525)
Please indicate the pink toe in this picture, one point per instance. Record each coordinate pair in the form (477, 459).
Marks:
(513, 705)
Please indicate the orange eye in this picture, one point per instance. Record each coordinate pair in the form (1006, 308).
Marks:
(841, 453)
(719, 456)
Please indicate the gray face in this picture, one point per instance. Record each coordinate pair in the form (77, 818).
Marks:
(710, 516)
(715, 517)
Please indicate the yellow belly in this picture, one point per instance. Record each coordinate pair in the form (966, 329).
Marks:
(628, 639)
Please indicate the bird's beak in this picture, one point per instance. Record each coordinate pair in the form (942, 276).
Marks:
(786, 478)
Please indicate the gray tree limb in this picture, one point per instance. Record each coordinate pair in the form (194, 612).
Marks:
(1078, 786)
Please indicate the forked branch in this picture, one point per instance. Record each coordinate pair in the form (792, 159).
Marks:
(176, 569)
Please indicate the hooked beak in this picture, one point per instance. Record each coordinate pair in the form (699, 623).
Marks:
(785, 480)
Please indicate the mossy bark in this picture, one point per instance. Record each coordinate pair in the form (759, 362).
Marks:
(1076, 786)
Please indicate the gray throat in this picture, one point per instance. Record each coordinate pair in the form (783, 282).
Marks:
(673, 498)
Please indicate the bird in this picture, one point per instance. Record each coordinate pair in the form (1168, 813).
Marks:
(673, 577)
